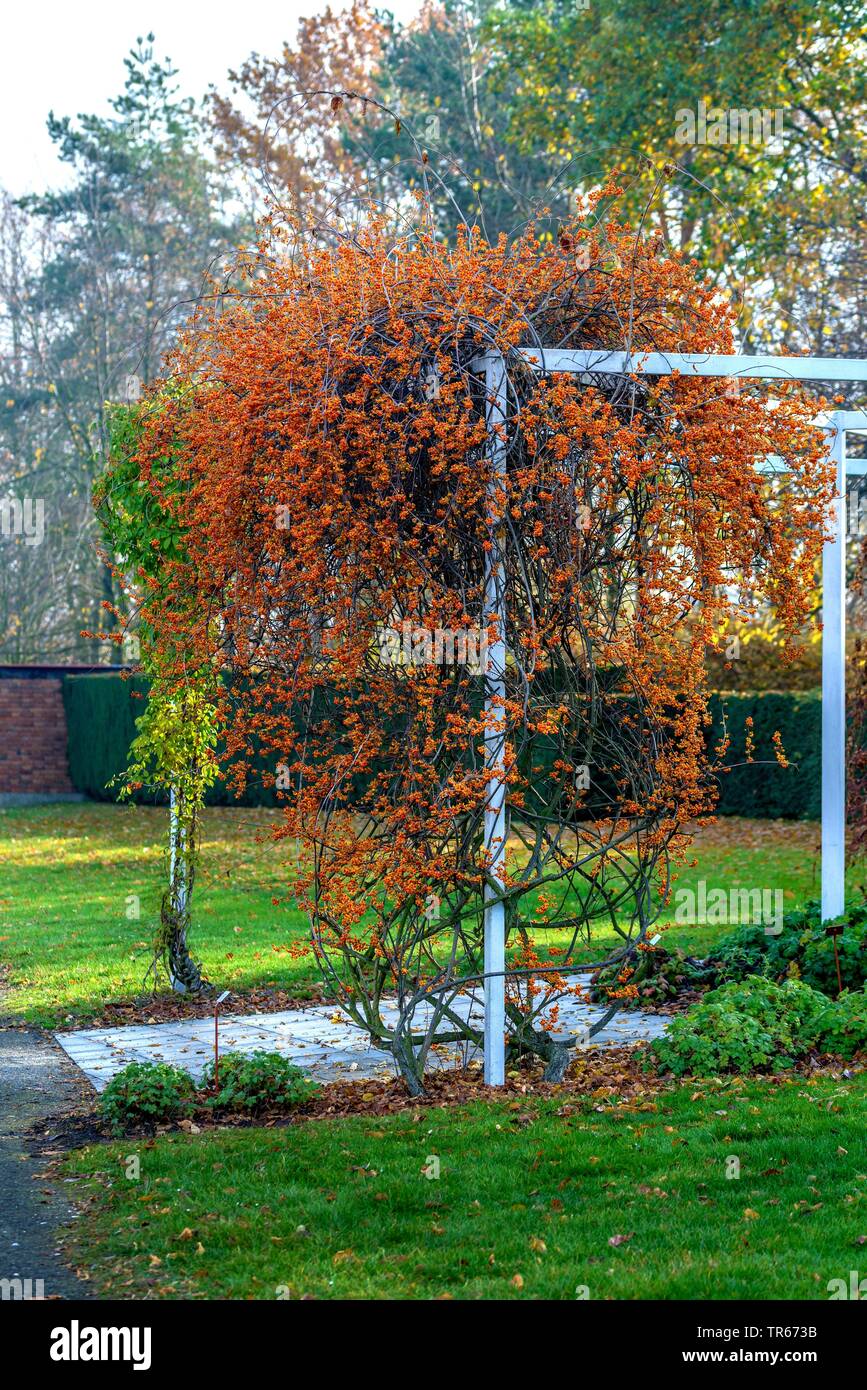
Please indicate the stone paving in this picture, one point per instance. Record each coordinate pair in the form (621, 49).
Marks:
(321, 1039)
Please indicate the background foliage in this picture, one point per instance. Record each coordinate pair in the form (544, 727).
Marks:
(96, 278)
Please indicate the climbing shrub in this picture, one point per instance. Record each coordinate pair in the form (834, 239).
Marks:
(370, 493)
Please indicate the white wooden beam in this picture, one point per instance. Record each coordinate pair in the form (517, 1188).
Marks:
(764, 367)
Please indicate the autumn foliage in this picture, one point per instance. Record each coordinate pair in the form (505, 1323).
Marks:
(320, 445)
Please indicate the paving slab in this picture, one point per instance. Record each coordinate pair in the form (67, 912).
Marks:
(322, 1039)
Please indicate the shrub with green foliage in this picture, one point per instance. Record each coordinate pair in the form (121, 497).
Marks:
(750, 1025)
(745, 951)
(258, 1080)
(145, 1093)
(801, 951)
(842, 1026)
(818, 966)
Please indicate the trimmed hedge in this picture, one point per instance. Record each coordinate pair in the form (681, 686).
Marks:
(101, 712)
(760, 790)
(100, 723)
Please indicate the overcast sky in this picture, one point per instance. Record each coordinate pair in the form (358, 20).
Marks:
(67, 57)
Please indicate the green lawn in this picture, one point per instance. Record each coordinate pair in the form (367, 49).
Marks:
(530, 1196)
(74, 876)
(68, 932)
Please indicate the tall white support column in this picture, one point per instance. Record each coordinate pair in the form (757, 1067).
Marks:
(495, 693)
(834, 689)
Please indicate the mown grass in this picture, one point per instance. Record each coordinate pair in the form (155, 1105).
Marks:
(74, 876)
(536, 1198)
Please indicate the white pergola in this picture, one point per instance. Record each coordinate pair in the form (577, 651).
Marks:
(836, 424)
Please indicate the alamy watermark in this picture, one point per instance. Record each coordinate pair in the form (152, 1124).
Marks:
(23, 516)
(17, 1289)
(714, 125)
(132, 386)
(855, 1289)
(736, 907)
(77, 1343)
(439, 646)
(856, 510)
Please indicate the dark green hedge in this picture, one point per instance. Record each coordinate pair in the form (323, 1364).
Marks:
(101, 713)
(759, 789)
(100, 721)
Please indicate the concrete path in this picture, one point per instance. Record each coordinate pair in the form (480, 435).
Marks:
(321, 1039)
(36, 1082)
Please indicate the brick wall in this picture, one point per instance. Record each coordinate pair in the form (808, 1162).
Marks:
(33, 738)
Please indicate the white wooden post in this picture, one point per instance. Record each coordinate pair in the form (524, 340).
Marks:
(495, 692)
(834, 689)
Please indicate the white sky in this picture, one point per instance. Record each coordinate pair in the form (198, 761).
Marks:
(68, 57)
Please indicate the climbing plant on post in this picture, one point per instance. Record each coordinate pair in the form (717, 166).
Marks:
(173, 754)
(442, 668)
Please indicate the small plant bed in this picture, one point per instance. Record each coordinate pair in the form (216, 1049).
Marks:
(532, 1196)
(148, 1094)
(150, 1098)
